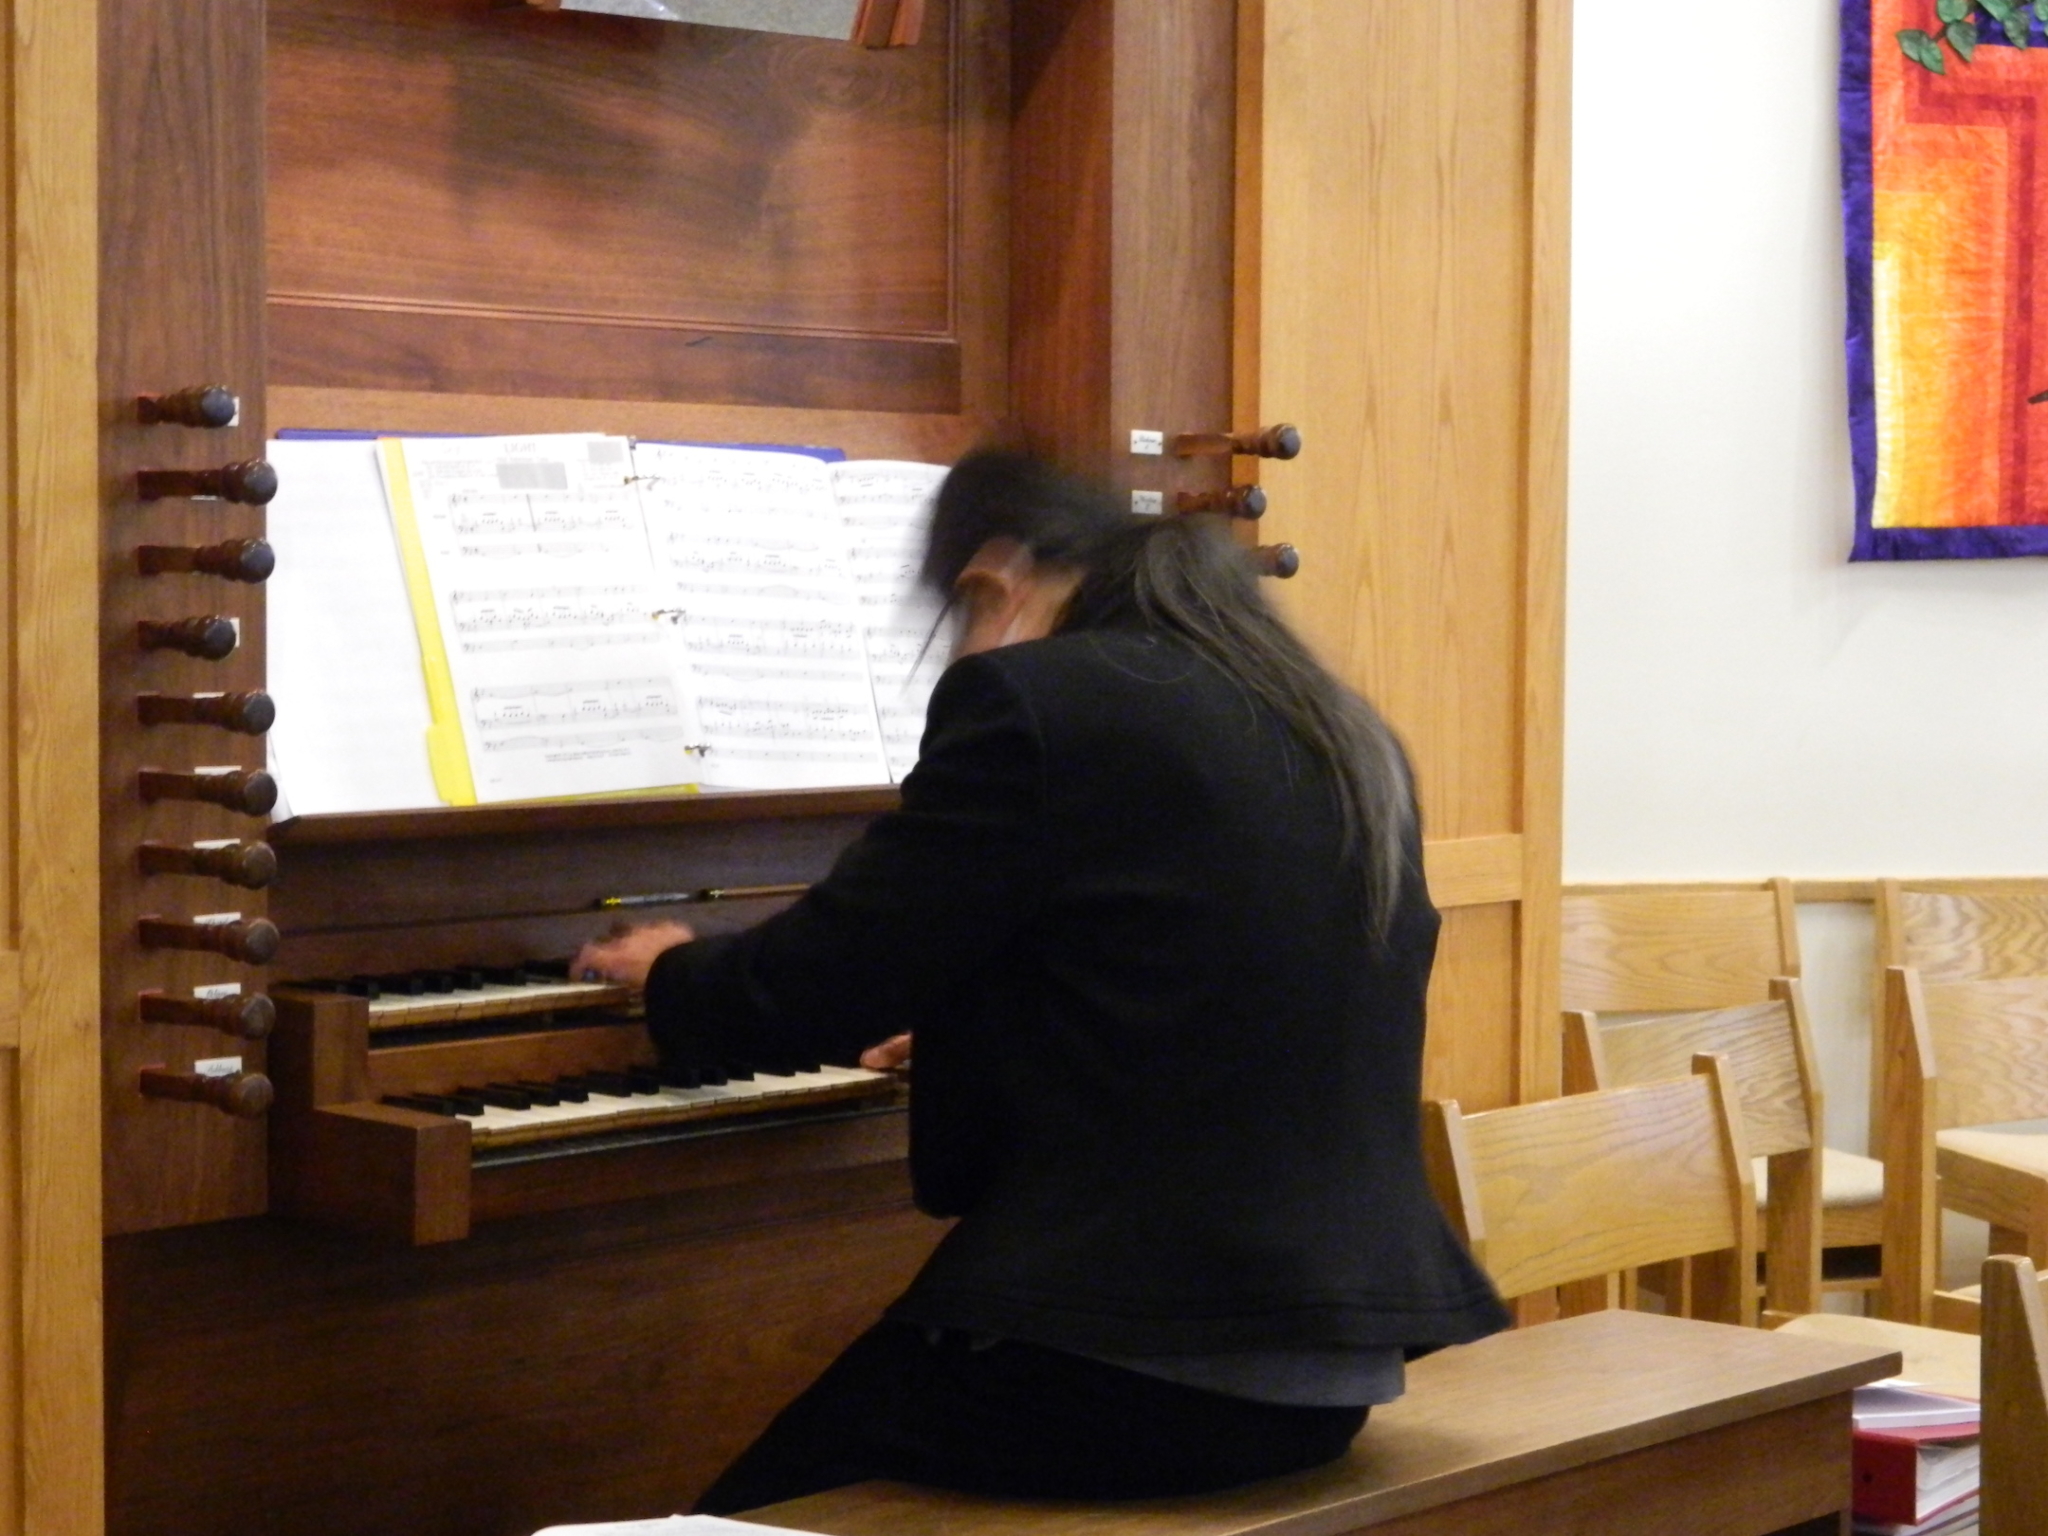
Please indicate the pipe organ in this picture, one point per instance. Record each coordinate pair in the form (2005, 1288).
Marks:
(475, 1263)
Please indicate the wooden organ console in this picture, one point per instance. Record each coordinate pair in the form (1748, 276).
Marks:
(441, 215)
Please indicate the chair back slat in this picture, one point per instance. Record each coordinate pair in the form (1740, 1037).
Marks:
(1629, 951)
(1762, 1048)
(2014, 1494)
(1984, 931)
(1579, 1187)
(1990, 1042)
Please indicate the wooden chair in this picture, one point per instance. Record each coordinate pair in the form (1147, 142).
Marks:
(2015, 1488)
(1571, 1193)
(1770, 1056)
(1960, 1055)
(1635, 949)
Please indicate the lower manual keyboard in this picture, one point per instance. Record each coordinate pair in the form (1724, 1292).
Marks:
(624, 1106)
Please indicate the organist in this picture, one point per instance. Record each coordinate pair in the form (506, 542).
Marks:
(1153, 913)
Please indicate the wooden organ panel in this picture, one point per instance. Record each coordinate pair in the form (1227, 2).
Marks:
(488, 219)
(181, 286)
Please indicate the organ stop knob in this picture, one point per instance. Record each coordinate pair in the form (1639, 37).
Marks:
(1281, 560)
(251, 865)
(1281, 442)
(250, 481)
(1245, 501)
(248, 790)
(250, 713)
(249, 560)
(209, 637)
(244, 1095)
(254, 941)
(202, 405)
(251, 1017)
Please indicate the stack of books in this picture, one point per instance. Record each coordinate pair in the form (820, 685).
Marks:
(1917, 1463)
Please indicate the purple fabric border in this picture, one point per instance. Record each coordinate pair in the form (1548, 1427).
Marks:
(1853, 110)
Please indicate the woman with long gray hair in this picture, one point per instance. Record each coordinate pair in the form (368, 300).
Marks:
(1152, 918)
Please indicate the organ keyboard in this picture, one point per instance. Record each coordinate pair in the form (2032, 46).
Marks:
(413, 1103)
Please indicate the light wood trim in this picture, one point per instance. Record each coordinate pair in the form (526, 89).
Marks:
(54, 483)
(1538, 1065)
(1847, 891)
(2015, 1488)
(1476, 871)
(1248, 243)
(10, 999)
(1820, 889)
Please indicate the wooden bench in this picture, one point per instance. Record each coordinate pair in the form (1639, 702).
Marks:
(1609, 1422)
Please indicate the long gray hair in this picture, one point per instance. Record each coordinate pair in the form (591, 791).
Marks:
(1186, 576)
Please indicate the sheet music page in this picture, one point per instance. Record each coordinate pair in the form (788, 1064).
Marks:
(564, 679)
(885, 505)
(343, 654)
(753, 566)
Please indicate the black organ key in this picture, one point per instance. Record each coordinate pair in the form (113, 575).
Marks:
(545, 970)
(440, 983)
(498, 1096)
(644, 1080)
(401, 984)
(566, 1089)
(471, 980)
(536, 1093)
(365, 987)
(504, 975)
(681, 1077)
(739, 1072)
(710, 1075)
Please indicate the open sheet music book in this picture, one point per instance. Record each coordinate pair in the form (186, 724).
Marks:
(462, 620)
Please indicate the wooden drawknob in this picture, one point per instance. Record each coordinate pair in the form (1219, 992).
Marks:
(244, 1095)
(209, 637)
(1281, 560)
(250, 713)
(202, 405)
(1281, 442)
(1245, 501)
(249, 560)
(249, 481)
(251, 1015)
(250, 865)
(253, 942)
(250, 791)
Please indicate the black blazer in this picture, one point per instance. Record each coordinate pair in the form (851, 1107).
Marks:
(1162, 1074)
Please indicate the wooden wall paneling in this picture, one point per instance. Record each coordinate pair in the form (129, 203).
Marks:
(11, 1275)
(516, 203)
(1543, 557)
(1409, 319)
(1122, 232)
(181, 303)
(51, 1423)
(597, 1365)
(1470, 1053)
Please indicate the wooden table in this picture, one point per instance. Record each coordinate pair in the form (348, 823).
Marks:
(1612, 1422)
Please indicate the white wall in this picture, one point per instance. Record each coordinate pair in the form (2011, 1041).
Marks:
(1740, 701)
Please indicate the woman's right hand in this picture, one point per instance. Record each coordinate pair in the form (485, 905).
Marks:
(892, 1055)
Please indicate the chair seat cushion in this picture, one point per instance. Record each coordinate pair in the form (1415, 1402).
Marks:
(1847, 1181)
(2025, 1151)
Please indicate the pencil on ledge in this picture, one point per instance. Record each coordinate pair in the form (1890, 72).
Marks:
(708, 893)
